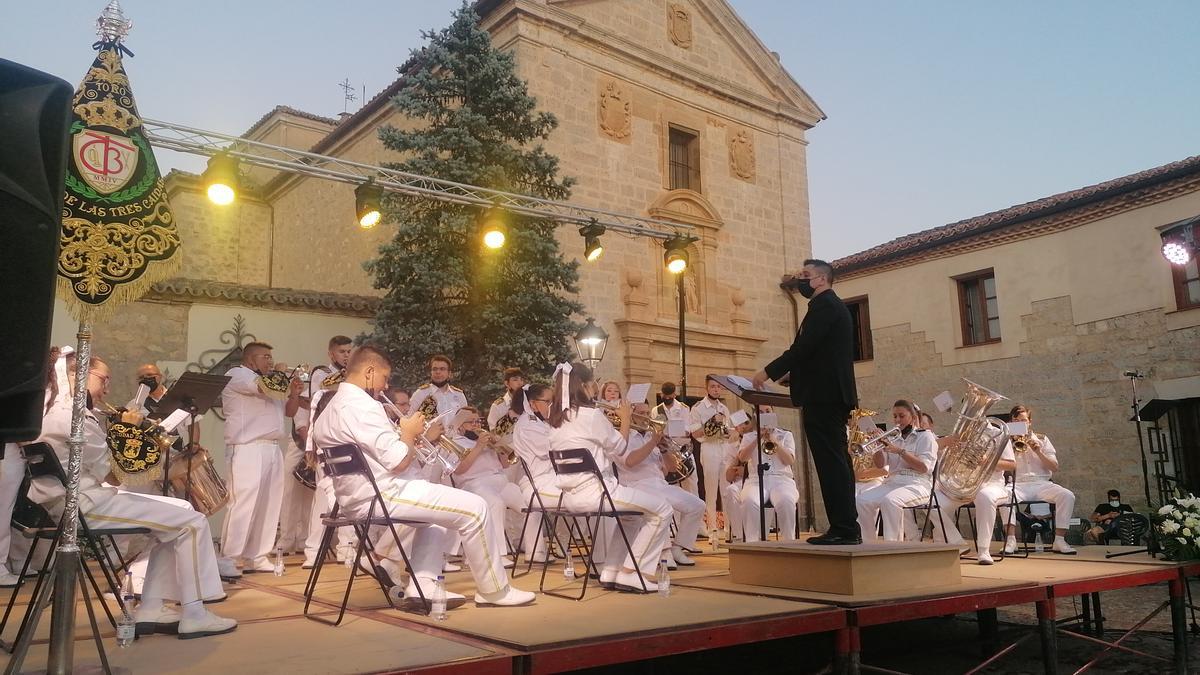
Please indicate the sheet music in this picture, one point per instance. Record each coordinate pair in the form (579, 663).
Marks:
(138, 402)
(638, 392)
(768, 421)
(867, 425)
(1018, 428)
(740, 381)
(174, 420)
(677, 428)
(707, 414)
(738, 418)
(943, 401)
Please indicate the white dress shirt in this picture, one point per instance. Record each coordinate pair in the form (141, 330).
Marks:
(650, 468)
(531, 440)
(919, 443)
(56, 432)
(487, 463)
(1030, 467)
(776, 467)
(702, 412)
(590, 429)
(499, 409)
(250, 415)
(450, 399)
(353, 417)
(678, 413)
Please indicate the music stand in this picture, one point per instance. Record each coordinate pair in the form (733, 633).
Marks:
(757, 398)
(196, 393)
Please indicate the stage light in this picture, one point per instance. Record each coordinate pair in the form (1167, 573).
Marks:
(1179, 240)
(592, 248)
(221, 179)
(367, 198)
(676, 256)
(495, 232)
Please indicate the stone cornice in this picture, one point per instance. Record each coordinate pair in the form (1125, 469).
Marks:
(1032, 227)
(222, 293)
(619, 47)
(697, 337)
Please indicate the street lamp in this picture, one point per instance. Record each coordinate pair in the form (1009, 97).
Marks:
(676, 259)
(590, 342)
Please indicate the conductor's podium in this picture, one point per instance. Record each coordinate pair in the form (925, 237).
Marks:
(845, 570)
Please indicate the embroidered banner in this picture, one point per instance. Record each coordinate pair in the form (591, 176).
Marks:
(118, 234)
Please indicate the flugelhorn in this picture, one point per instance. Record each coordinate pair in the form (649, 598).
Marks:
(427, 452)
(879, 443)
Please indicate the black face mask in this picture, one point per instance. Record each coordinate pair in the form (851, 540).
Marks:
(471, 435)
(906, 431)
(805, 287)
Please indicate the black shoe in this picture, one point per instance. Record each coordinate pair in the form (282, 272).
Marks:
(830, 539)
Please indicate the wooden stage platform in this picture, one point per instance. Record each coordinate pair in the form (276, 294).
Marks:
(706, 610)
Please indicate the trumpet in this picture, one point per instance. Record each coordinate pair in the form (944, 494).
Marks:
(428, 453)
(637, 421)
(879, 443)
(1023, 442)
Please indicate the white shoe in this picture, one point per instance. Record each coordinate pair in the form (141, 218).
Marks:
(1061, 547)
(451, 567)
(259, 566)
(509, 597)
(227, 569)
(985, 557)
(211, 624)
(412, 600)
(629, 582)
(1010, 546)
(308, 564)
(608, 578)
(165, 621)
(681, 557)
(8, 579)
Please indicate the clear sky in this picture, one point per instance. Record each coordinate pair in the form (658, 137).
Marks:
(938, 110)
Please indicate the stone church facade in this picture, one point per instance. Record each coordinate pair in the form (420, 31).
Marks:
(631, 82)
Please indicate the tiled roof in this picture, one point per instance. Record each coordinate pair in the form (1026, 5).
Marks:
(912, 244)
(222, 293)
(288, 110)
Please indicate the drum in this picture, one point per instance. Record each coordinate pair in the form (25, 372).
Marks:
(207, 492)
(306, 475)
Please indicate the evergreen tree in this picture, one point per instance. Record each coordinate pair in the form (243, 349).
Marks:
(446, 292)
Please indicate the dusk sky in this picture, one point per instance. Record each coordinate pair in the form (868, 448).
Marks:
(938, 111)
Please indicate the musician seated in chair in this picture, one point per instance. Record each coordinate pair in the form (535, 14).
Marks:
(352, 415)
(911, 459)
(991, 494)
(644, 467)
(1037, 461)
(480, 471)
(779, 481)
(182, 563)
(1104, 518)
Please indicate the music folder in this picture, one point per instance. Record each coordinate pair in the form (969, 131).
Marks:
(193, 392)
(740, 387)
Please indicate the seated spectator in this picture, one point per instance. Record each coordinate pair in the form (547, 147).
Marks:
(1104, 519)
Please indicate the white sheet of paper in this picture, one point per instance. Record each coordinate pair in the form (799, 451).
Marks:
(943, 401)
(173, 420)
(867, 425)
(739, 417)
(768, 421)
(638, 392)
(707, 413)
(740, 381)
(1018, 428)
(677, 428)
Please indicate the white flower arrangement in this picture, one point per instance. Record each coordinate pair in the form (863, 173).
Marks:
(1179, 523)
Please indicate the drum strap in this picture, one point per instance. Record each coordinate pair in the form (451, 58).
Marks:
(323, 403)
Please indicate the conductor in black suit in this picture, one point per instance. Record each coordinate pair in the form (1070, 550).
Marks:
(820, 364)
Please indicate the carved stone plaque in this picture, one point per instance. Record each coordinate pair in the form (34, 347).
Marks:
(679, 25)
(741, 155)
(616, 111)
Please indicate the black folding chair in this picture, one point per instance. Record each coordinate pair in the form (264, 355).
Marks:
(579, 461)
(41, 462)
(1129, 528)
(348, 460)
(536, 507)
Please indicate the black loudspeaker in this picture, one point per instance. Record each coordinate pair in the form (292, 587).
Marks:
(35, 111)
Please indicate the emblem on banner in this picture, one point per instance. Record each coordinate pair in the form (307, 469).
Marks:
(104, 160)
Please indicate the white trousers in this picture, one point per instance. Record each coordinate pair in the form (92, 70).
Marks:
(889, 499)
(448, 510)
(986, 501)
(141, 564)
(534, 543)
(783, 494)
(1044, 490)
(648, 533)
(688, 508)
(500, 495)
(255, 496)
(12, 472)
(712, 454)
(322, 502)
(731, 496)
(295, 503)
(182, 564)
(861, 486)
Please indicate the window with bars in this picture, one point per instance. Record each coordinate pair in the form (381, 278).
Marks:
(860, 318)
(979, 310)
(683, 159)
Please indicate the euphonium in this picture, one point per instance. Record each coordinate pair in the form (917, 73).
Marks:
(715, 428)
(426, 451)
(637, 421)
(965, 467)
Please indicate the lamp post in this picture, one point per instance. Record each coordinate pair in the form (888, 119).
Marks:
(590, 342)
(676, 260)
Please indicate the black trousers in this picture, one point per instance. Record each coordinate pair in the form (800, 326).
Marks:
(825, 428)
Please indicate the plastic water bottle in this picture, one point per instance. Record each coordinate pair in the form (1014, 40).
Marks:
(569, 567)
(713, 542)
(278, 561)
(664, 579)
(126, 625)
(1037, 543)
(439, 599)
(348, 556)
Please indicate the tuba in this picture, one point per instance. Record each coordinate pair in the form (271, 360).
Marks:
(963, 469)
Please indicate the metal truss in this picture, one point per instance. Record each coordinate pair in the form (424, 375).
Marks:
(200, 142)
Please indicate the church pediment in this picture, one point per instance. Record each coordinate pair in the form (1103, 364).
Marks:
(703, 38)
(686, 206)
